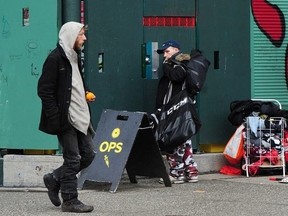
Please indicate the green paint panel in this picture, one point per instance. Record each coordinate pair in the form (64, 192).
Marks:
(224, 27)
(116, 33)
(28, 33)
(169, 7)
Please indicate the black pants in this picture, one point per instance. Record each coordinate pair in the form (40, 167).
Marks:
(78, 154)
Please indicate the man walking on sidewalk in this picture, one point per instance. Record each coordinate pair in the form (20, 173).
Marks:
(65, 113)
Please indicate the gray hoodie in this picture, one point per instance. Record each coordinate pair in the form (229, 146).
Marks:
(79, 115)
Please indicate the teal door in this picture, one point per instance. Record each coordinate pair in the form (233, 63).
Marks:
(28, 34)
(113, 57)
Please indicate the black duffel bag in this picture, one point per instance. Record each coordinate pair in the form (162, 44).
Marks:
(176, 121)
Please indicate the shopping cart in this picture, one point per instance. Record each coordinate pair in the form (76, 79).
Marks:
(264, 142)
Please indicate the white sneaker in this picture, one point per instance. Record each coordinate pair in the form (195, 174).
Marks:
(174, 180)
(191, 179)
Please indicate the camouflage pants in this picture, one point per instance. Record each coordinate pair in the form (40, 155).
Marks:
(181, 161)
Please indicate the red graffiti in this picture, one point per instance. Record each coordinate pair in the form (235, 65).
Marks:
(286, 65)
(270, 20)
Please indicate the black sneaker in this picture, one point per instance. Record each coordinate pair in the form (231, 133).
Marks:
(53, 188)
(76, 206)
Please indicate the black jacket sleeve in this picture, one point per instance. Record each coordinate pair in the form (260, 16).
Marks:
(174, 69)
(47, 91)
(175, 73)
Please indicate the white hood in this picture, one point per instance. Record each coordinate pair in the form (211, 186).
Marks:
(68, 35)
(79, 115)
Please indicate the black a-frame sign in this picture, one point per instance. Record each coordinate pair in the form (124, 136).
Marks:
(124, 140)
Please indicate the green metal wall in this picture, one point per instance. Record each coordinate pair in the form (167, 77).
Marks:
(118, 33)
(224, 27)
(24, 47)
(268, 60)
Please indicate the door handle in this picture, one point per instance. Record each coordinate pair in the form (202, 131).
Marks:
(150, 60)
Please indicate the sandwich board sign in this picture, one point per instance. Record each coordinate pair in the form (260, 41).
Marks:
(124, 140)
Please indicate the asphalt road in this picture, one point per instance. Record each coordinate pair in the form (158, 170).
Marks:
(214, 194)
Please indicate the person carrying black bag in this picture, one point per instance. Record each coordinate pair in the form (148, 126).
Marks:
(182, 166)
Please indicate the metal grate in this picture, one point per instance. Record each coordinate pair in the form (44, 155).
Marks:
(268, 49)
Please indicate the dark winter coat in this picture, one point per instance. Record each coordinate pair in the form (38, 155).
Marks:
(54, 89)
(171, 72)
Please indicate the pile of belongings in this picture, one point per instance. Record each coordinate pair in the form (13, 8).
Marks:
(240, 109)
(265, 131)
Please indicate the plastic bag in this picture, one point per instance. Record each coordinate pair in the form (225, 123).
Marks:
(234, 149)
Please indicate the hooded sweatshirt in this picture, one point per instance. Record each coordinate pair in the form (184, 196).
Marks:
(79, 115)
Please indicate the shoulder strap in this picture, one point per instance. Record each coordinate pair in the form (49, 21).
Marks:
(168, 94)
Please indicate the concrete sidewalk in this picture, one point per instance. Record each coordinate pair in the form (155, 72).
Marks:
(28, 170)
(142, 181)
(213, 195)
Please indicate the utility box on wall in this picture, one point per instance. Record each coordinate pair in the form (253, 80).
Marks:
(29, 31)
